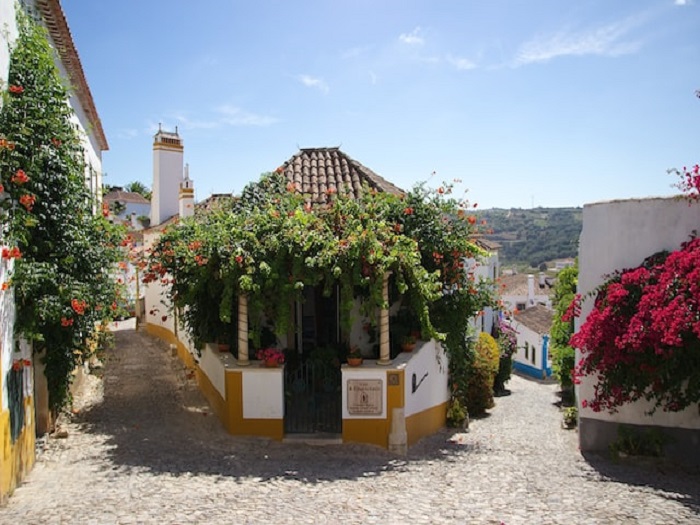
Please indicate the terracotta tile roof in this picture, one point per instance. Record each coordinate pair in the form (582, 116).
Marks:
(315, 171)
(55, 21)
(537, 318)
(125, 196)
(517, 285)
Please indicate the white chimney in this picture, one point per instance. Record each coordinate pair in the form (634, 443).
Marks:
(168, 151)
(530, 291)
(186, 205)
(542, 281)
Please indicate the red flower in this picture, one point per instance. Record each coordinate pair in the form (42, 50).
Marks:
(11, 253)
(26, 362)
(239, 259)
(17, 90)
(164, 318)
(66, 322)
(105, 209)
(408, 211)
(471, 219)
(78, 306)
(20, 177)
(2, 188)
(16, 365)
(114, 306)
(441, 190)
(27, 201)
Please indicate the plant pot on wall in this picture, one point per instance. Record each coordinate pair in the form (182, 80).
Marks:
(224, 347)
(408, 347)
(354, 361)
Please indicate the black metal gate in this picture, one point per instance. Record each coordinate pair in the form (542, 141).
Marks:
(313, 398)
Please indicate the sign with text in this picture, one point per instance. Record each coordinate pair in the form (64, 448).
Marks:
(365, 397)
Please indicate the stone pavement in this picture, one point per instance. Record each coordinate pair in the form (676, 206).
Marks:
(144, 448)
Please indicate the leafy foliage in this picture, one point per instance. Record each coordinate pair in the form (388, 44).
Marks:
(483, 374)
(563, 355)
(270, 244)
(642, 338)
(63, 253)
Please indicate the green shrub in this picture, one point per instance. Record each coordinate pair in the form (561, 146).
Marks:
(483, 373)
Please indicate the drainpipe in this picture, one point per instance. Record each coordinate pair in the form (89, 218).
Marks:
(243, 331)
(384, 354)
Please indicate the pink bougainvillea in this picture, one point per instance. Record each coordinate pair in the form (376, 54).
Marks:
(642, 338)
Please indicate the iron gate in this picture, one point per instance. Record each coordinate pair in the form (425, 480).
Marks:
(313, 398)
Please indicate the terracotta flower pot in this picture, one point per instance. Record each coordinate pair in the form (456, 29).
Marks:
(354, 361)
(408, 347)
(271, 363)
(224, 347)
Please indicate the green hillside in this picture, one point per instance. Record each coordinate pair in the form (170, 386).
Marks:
(533, 236)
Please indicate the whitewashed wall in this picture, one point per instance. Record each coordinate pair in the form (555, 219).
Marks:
(533, 339)
(618, 235)
(430, 359)
(263, 392)
(368, 371)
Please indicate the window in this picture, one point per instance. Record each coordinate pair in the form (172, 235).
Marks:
(533, 354)
(527, 350)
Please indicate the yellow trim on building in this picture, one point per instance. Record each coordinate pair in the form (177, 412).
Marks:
(371, 431)
(426, 423)
(168, 147)
(16, 460)
(228, 409)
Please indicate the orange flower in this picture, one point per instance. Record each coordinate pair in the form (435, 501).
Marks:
(408, 211)
(17, 90)
(78, 306)
(27, 201)
(441, 190)
(331, 190)
(20, 177)
(5, 285)
(291, 188)
(66, 322)
(114, 306)
(471, 219)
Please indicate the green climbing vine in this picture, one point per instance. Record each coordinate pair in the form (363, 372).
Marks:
(63, 254)
(271, 243)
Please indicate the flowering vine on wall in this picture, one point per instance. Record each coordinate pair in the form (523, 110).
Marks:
(63, 254)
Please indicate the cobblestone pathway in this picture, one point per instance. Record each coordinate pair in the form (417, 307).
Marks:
(151, 452)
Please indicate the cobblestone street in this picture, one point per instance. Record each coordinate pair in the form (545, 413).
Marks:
(145, 448)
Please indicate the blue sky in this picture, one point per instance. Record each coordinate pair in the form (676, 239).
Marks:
(544, 102)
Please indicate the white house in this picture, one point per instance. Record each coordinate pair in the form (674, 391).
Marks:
(532, 356)
(520, 291)
(18, 453)
(618, 235)
(486, 269)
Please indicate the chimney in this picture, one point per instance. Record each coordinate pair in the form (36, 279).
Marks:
(167, 175)
(542, 281)
(530, 290)
(186, 202)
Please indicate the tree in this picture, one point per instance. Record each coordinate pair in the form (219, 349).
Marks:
(63, 254)
(140, 188)
(563, 355)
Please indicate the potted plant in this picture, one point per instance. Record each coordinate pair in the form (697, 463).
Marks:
(457, 415)
(271, 357)
(408, 343)
(354, 357)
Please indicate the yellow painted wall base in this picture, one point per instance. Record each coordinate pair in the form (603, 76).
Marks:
(371, 431)
(229, 410)
(16, 459)
(426, 423)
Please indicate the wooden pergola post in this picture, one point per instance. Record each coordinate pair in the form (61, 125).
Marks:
(243, 331)
(384, 351)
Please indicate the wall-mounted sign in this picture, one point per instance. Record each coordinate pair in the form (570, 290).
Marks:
(365, 397)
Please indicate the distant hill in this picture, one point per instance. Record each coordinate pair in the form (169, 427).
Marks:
(533, 236)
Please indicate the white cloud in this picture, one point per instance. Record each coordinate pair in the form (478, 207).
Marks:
(127, 134)
(413, 38)
(313, 82)
(235, 116)
(463, 64)
(683, 2)
(605, 41)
